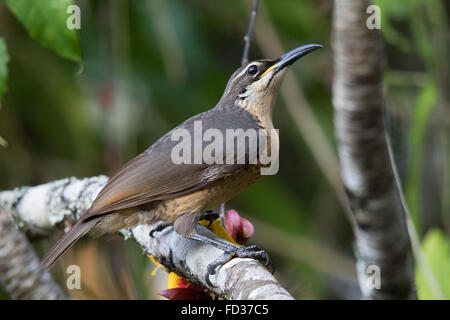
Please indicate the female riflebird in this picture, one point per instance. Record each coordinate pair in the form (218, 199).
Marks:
(154, 187)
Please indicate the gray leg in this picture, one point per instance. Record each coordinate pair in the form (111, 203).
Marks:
(231, 251)
(160, 227)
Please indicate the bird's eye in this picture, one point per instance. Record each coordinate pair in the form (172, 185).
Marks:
(252, 70)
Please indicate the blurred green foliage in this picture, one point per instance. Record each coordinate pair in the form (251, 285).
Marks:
(46, 23)
(425, 103)
(3, 68)
(420, 30)
(3, 77)
(436, 247)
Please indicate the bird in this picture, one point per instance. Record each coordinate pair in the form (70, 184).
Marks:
(152, 187)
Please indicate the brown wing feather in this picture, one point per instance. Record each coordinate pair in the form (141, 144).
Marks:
(153, 176)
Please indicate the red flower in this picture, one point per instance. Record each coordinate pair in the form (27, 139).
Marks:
(240, 229)
(186, 294)
(180, 289)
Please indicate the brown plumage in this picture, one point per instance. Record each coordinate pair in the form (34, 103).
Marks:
(151, 187)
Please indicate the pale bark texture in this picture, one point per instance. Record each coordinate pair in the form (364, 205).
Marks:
(41, 210)
(379, 219)
(21, 274)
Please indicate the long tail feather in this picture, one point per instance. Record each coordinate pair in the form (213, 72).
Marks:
(66, 241)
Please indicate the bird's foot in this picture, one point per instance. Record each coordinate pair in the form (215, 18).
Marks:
(232, 251)
(160, 227)
(238, 252)
(209, 216)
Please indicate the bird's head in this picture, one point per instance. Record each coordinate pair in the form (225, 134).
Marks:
(255, 85)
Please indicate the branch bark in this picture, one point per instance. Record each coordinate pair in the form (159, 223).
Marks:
(40, 210)
(21, 274)
(380, 224)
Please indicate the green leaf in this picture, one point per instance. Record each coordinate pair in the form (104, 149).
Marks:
(396, 10)
(436, 247)
(4, 58)
(3, 142)
(46, 21)
(424, 105)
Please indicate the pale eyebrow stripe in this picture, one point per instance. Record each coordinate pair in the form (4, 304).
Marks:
(243, 71)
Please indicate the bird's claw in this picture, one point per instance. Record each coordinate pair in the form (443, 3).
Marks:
(238, 252)
(160, 227)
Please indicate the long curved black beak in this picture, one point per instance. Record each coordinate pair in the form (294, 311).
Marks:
(290, 57)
